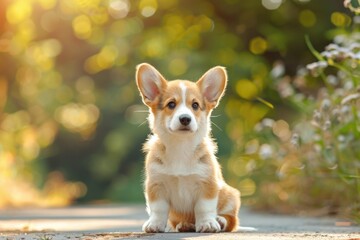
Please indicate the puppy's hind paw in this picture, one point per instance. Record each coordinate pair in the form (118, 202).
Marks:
(222, 222)
(151, 226)
(185, 227)
(208, 226)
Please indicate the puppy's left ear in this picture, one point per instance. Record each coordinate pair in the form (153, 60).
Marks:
(212, 85)
(150, 83)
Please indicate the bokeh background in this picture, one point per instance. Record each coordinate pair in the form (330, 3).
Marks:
(72, 123)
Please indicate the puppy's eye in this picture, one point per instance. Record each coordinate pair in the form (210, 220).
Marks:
(195, 106)
(171, 105)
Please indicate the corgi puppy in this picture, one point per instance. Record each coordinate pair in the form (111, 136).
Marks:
(184, 186)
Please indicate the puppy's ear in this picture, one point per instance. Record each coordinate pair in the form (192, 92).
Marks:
(212, 85)
(150, 83)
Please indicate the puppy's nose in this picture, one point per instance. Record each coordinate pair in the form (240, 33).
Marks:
(185, 119)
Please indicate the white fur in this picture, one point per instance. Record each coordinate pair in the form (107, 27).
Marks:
(180, 160)
(182, 198)
(222, 222)
(183, 93)
(172, 138)
(158, 212)
(173, 123)
(205, 214)
(180, 169)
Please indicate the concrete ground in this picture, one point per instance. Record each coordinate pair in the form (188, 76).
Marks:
(124, 222)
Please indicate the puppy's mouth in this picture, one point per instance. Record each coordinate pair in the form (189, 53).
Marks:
(185, 129)
(182, 130)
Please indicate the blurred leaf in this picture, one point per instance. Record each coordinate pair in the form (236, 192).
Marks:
(355, 3)
(312, 49)
(265, 102)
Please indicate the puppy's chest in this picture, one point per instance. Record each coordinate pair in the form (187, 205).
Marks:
(181, 175)
(182, 191)
(180, 164)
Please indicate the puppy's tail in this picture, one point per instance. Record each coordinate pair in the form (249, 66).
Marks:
(246, 229)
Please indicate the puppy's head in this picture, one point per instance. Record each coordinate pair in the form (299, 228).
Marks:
(180, 107)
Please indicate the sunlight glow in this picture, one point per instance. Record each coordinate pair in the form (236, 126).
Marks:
(77, 117)
(148, 7)
(246, 89)
(271, 4)
(82, 26)
(119, 8)
(247, 187)
(258, 45)
(178, 66)
(47, 4)
(307, 18)
(340, 19)
(103, 60)
(18, 11)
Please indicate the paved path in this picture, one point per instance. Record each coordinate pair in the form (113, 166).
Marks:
(124, 222)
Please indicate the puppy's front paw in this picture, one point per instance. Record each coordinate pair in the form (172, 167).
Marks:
(208, 226)
(154, 226)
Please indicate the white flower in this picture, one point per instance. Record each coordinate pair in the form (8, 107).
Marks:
(278, 70)
(295, 140)
(265, 151)
(312, 66)
(354, 46)
(332, 46)
(357, 56)
(332, 80)
(325, 105)
(317, 116)
(327, 125)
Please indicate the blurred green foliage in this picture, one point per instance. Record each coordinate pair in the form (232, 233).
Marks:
(72, 124)
(316, 158)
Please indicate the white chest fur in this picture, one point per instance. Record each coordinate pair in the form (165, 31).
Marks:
(182, 191)
(178, 157)
(179, 170)
(181, 161)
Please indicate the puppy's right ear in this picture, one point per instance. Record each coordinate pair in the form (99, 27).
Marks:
(150, 83)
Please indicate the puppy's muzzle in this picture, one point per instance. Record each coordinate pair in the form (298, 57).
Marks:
(185, 119)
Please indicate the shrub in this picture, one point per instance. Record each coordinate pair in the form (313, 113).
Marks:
(316, 158)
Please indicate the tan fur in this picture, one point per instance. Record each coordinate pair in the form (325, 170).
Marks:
(180, 166)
